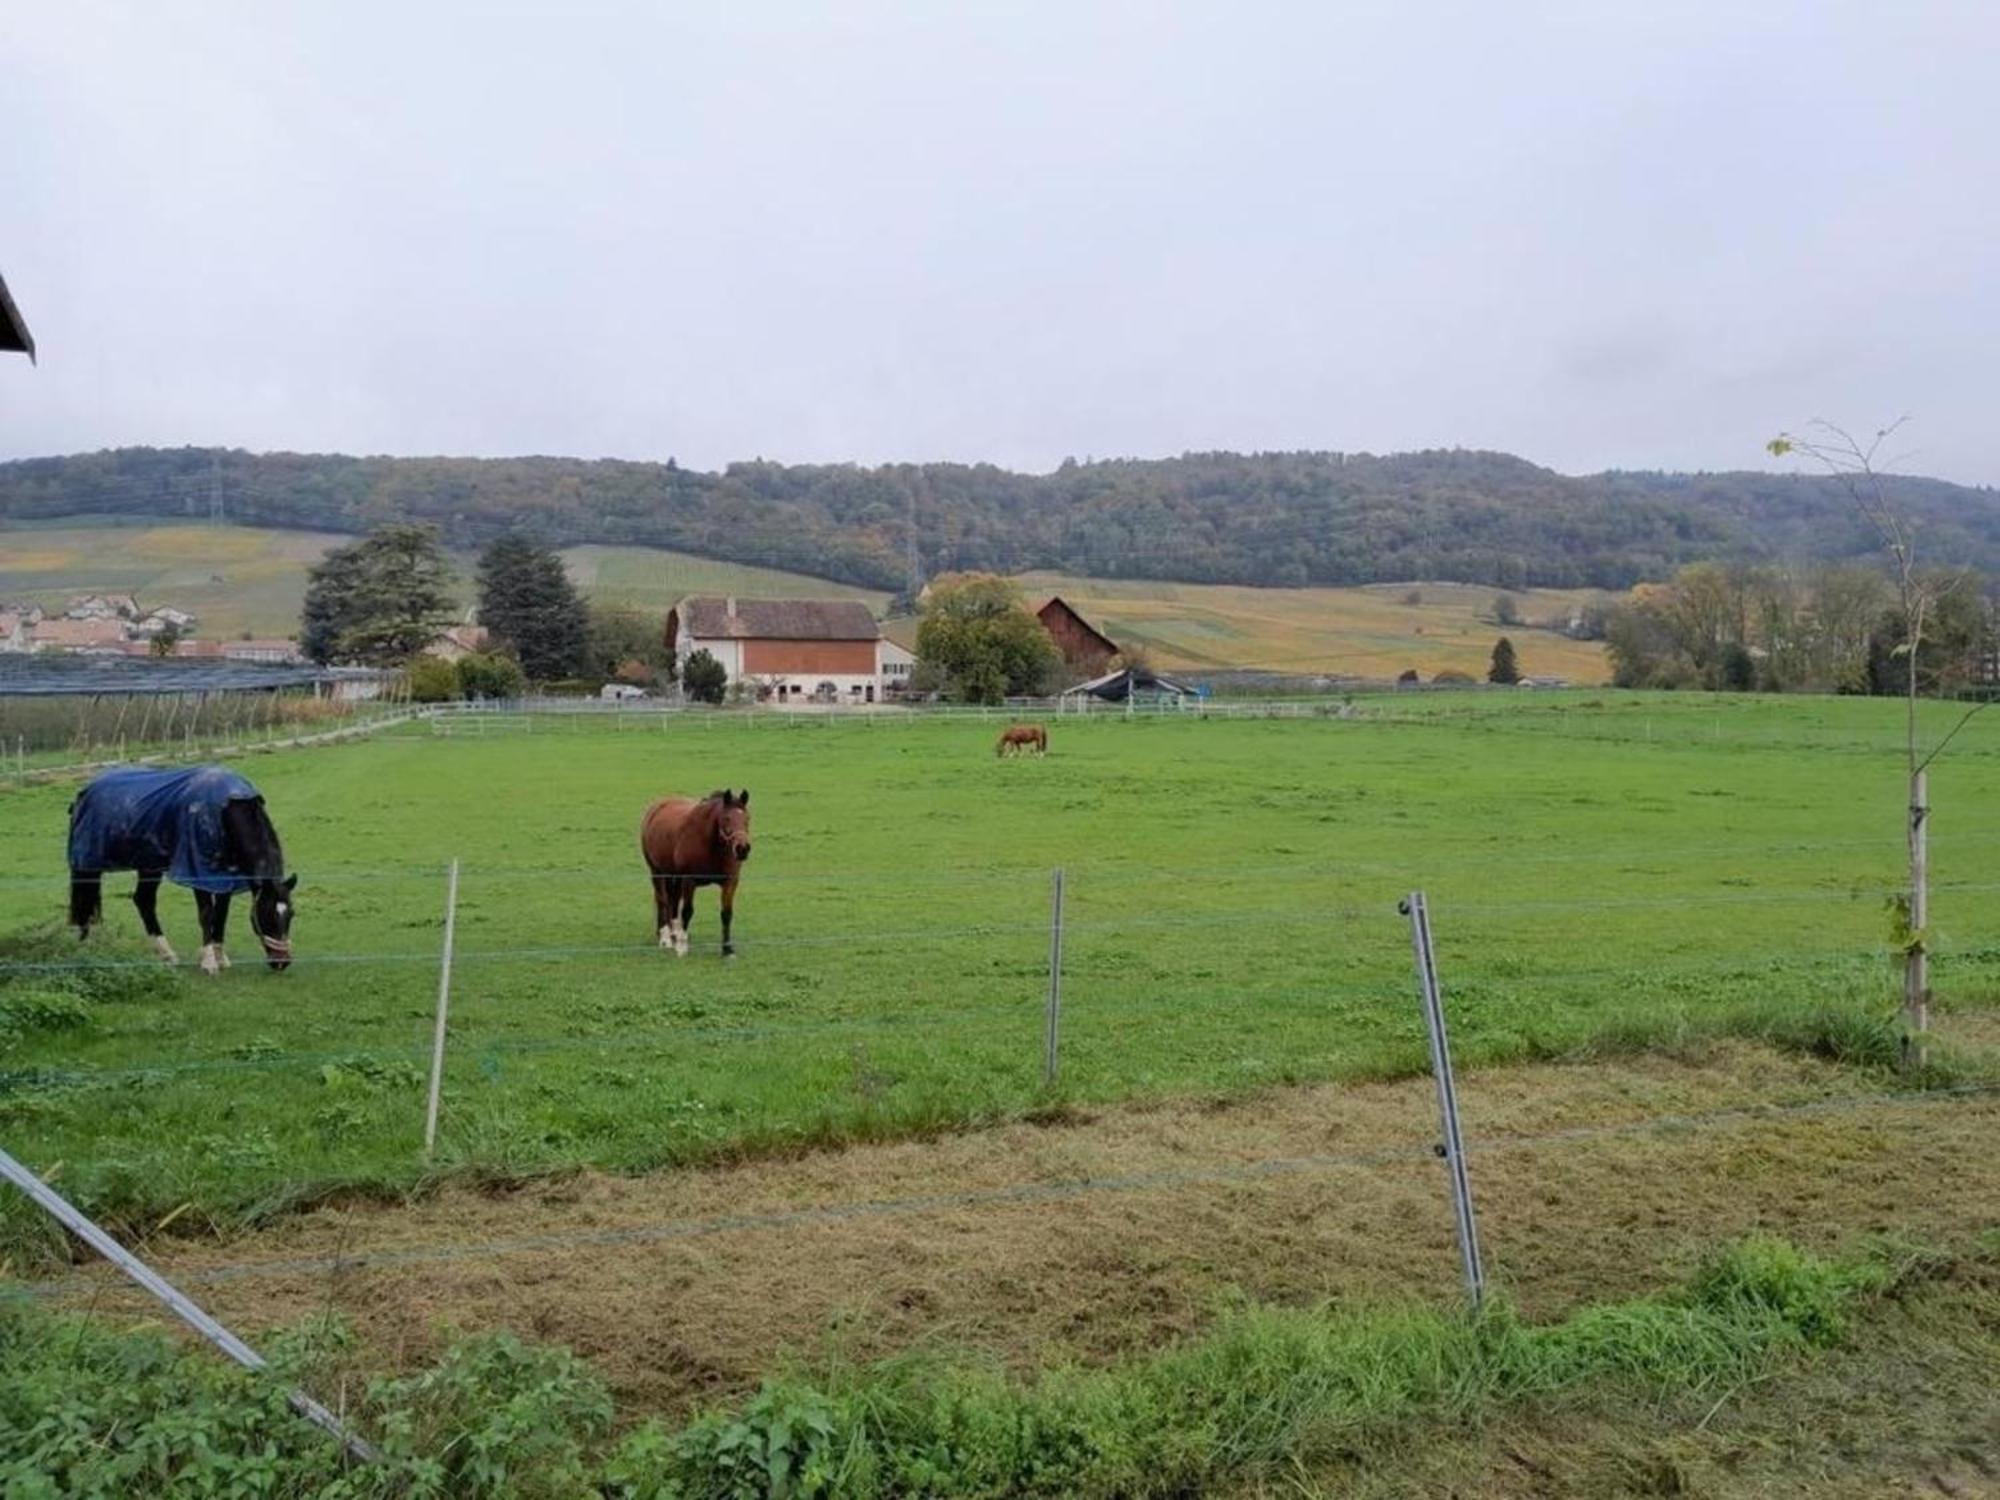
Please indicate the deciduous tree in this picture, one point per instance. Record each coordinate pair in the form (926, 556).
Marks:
(979, 639)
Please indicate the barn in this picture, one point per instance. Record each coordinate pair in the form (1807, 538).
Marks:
(787, 650)
(1130, 685)
(1085, 649)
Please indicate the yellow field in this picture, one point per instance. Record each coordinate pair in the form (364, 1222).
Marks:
(1372, 631)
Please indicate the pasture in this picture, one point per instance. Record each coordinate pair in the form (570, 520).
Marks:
(1645, 908)
(1230, 924)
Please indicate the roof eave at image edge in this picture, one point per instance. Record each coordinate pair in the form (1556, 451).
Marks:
(14, 333)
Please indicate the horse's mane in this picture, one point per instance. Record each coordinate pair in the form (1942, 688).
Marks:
(253, 841)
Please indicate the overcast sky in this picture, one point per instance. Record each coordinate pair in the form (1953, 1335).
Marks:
(1597, 234)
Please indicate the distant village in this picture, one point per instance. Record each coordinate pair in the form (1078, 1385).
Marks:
(116, 625)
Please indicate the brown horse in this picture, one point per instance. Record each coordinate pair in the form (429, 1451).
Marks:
(688, 843)
(1023, 737)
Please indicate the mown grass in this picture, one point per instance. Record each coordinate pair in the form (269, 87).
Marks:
(1231, 924)
(88, 1411)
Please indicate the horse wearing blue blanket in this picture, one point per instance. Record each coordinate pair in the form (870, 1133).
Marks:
(204, 828)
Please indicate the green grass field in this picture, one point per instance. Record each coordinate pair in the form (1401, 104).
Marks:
(1231, 923)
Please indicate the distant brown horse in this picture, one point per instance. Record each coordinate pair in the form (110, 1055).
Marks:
(1020, 738)
(688, 843)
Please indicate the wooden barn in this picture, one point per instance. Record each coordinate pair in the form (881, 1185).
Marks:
(1085, 649)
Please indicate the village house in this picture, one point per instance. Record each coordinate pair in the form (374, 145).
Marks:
(14, 629)
(457, 642)
(105, 636)
(262, 648)
(791, 650)
(103, 607)
(159, 620)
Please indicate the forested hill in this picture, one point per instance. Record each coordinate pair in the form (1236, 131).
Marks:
(1268, 518)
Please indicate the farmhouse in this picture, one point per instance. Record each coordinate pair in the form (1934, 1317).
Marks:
(791, 650)
(1085, 649)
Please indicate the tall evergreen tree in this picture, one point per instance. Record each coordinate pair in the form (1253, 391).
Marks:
(527, 602)
(1505, 669)
(378, 601)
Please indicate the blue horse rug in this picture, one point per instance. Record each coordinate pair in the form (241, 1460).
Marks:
(136, 819)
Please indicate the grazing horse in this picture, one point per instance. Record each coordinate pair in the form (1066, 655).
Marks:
(205, 829)
(687, 844)
(1020, 738)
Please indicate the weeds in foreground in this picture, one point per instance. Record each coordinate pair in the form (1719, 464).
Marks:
(90, 1412)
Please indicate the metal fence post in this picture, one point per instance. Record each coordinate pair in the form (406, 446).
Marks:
(1052, 1029)
(444, 1006)
(1453, 1147)
(67, 1214)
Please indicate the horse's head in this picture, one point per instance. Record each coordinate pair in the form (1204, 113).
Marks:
(732, 825)
(271, 919)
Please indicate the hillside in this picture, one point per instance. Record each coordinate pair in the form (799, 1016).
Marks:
(1262, 519)
(251, 580)
(1376, 631)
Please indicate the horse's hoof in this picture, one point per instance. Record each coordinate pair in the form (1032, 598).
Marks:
(165, 952)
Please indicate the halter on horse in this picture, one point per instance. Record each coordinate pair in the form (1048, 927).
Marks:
(204, 828)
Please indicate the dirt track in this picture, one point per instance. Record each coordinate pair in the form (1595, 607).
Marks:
(1084, 1240)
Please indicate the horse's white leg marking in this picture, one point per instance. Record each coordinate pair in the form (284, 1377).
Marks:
(667, 936)
(210, 964)
(165, 949)
(221, 956)
(680, 940)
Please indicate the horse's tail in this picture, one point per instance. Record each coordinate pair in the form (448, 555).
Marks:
(86, 899)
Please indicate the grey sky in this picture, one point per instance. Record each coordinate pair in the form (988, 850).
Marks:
(1637, 234)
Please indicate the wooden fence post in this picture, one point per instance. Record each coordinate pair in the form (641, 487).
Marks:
(1917, 962)
(1052, 1027)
